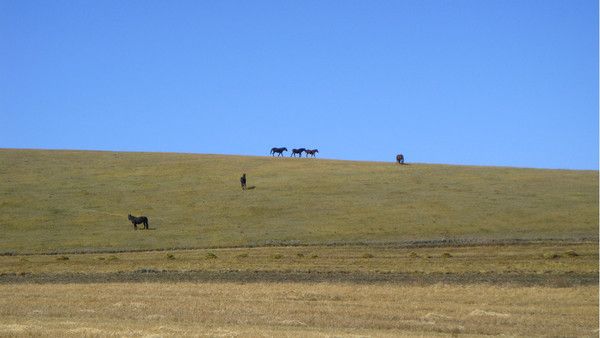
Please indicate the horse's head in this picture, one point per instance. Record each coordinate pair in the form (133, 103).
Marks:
(284, 149)
(316, 150)
(129, 217)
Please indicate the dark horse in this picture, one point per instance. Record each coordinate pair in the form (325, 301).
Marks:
(279, 151)
(297, 151)
(311, 152)
(400, 158)
(138, 220)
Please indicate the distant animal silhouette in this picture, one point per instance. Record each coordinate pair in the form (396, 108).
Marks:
(279, 151)
(138, 220)
(400, 158)
(297, 151)
(311, 152)
(243, 181)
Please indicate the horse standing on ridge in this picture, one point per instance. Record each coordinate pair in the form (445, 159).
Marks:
(311, 152)
(297, 151)
(279, 151)
(400, 158)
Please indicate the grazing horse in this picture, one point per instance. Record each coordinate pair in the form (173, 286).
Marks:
(400, 158)
(138, 220)
(311, 152)
(279, 151)
(297, 151)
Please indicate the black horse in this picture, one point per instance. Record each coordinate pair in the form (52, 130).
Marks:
(297, 151)
(311, 152)
(400, 158)
(279, 151)
(138, 220)
(243, 181)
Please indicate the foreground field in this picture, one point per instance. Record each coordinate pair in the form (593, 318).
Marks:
(75, 201)
(521, 289)
(295, 309)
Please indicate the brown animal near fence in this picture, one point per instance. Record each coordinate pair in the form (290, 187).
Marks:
(400, 158)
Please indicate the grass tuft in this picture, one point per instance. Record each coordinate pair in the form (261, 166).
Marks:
(571, 253)
(551, 255)
(211, 255)
(62, 258)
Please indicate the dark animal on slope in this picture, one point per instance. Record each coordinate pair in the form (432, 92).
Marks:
(297, 151)
(243, 181)
(138, 220)
(279, 151)
(311, 152)
(400, 158)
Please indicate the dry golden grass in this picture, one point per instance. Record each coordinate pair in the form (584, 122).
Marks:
(294, 309)
(72, 203)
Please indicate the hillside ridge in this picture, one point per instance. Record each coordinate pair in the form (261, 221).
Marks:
(55, 201)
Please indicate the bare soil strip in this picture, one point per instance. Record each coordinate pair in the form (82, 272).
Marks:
(165, 276)
(431, 243)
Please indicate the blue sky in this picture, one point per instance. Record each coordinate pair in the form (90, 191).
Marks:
(495, 82)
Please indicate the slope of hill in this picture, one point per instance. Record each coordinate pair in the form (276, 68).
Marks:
(54, 201)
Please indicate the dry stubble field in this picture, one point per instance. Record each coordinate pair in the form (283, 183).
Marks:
(295, 309)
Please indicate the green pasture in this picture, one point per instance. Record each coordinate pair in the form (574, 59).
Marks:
(52, 201)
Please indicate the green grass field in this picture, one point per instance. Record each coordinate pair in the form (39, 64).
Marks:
(64, 201)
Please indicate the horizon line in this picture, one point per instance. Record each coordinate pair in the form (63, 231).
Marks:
(321, 158)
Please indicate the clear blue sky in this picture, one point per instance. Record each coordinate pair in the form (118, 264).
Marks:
(494, 82)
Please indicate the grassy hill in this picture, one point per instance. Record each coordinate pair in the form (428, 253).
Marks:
(79, 201)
